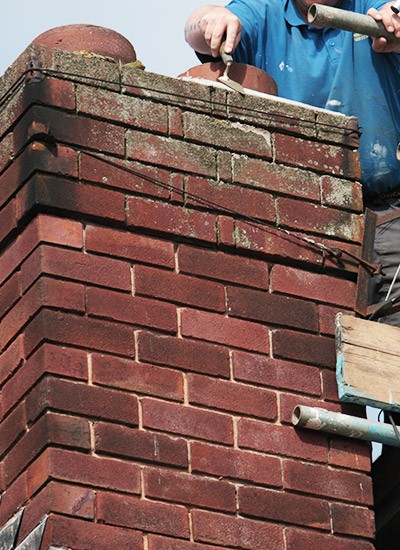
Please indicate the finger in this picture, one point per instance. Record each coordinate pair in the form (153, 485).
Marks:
(218, 35)
(233, 33)
(375, 14)
(380, 45)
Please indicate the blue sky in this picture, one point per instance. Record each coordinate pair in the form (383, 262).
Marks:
(154, 27)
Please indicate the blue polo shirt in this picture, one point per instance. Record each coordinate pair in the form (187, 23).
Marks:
(332, 69)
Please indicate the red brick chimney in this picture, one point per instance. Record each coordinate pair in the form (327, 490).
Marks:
(164, 307)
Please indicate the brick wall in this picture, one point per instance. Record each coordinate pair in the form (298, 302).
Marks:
(161, 317)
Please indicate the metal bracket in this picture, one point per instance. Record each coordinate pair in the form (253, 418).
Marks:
(33, 70)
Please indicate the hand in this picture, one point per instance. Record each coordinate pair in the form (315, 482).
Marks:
(391, 22)
(218, 25)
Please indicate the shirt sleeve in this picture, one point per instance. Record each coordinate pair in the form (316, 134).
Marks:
(252, 15)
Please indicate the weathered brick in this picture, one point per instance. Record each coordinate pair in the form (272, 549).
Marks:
(317, 156)
(11, 358)
(316, 479)
(351, 520)
(8, 219)
(276, 373)
(164, 543)
(223, 330)
(124, 244)
(237, 532)
(349, 453)
(10, 291)
(236, 464)
(189, 489)
(140, 445)
(169, 152)
(304, 216)
(131, 309)
(184, 420)
(145, 515)
(13, 498)
(299, 539)
(314, 286)
(81, 535)
(75, 397)
(6, 150)
(307, 348)
(167, 218)
(61, 231)
(282, 440)
(12, 427)
(138, 377)
(65, 328)
(223, 266)
(342, 194)
(327, 316)
(232, 396)
(271, 308)
(284, 507)
(184, 354)
(179, 288)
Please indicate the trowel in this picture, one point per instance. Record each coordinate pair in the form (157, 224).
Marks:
(228, 60)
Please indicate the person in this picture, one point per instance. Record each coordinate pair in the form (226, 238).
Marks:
(333, 69)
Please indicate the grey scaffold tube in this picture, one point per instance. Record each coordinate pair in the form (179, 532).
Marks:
(314, 418)
(326, 16)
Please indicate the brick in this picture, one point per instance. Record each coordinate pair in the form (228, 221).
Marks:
(123, 174)
(71, 196)
(95, 471)
(232, 397)
(307, 348)
(96, 334)
(350, 453)
(13, 498)
(140, 445)
(71, 264)
(61, 231)
(138, 377)
(6, 150)
(224, 330)
(288, 402)
(235, 200)
(298, 539)
(313, 155)
(179, 288)
(226, 231)
(131, 309)
(10, 291)
(8, 220)
(305, 216)
(45, 292)
(281, 440)
(237, 532)
(316, 479)
(12, 427)
(327, 316)
(220, 133)
(284, 507)
(164, 543)
(11, 358)
(144, 515)
(342, 194)
(75, 397)
(276, 178)
(184, 354)
(50, 429)
(321, 288)
(81, 535)
(261, 306)
(190, 421)
(167, 218)
(56, 360)
(276, 373)
(124, 244)
(171, 152)
(352, 520)
(189, 489)
(124, 109)
(236, 464)
(222, 266)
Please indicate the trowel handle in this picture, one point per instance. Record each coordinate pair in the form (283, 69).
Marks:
(226, 57)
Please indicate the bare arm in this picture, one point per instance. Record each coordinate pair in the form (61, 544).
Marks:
(208, 26)
(392, 24)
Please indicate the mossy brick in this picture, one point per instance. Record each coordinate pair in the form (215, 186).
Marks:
(341, 193)
(268, 176)
(317, 156)
(338, 129)
(235, 200)
(236, 531)
(227, 135)
(313, 218)
(119, 108)
(276, 373)
(172, 153)
(142, 445)
(280, 440)
(19, 66)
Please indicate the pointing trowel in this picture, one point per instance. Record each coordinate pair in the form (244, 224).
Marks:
(228, 60)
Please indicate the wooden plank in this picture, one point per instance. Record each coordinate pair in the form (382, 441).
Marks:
(368, 362)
